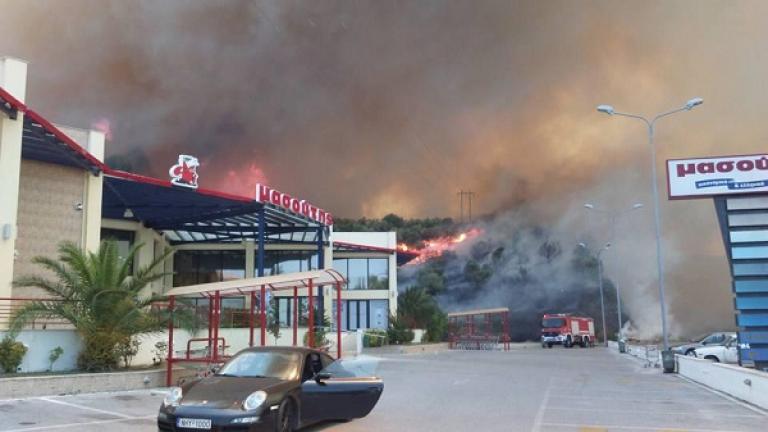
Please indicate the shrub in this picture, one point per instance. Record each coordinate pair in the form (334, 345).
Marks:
(322, 327)
(53, 356)
(160, 352)
(127, 350)
(11, 354)
(99, 352)
(375, 338)
(398, 332)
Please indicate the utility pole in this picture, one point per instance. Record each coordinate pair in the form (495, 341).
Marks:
(469, 195)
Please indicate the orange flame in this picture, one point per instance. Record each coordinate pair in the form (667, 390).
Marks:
(436, 247)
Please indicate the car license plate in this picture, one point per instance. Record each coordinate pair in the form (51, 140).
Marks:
(190, 423)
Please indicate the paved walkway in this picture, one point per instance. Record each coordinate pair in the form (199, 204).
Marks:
(526, 389)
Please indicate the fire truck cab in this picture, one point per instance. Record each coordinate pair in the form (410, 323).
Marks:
(567, 330)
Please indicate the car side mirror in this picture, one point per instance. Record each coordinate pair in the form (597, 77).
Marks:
(322, 376)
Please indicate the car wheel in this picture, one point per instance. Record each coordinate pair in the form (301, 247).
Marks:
(712, 358)
(286, 418)
(690, 353)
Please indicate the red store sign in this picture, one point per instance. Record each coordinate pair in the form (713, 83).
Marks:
(265, 194)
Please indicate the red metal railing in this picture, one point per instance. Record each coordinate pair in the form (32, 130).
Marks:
(10, 305)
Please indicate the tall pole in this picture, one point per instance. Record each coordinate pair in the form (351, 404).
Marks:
(689, 105)
(657, 220)
(618, 308)
(613, 218)
(602, 297)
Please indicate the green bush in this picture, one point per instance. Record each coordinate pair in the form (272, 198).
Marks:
(99, 352)
(11, 354)
(398, 331)
(322, 328)
(53, 356)
(375, 338)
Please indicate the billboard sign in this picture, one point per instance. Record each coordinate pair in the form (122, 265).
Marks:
(725, 175)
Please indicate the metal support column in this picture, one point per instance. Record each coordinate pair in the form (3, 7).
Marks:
(169, 361)
(263, 312)
(295, 315)
(320, 266)
(216, 324)
(311, 322)
(338, 319)
(251, 318)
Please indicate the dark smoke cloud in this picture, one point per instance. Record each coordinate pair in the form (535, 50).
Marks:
(379, 106)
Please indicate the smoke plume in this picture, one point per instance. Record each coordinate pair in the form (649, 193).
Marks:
(371, 107)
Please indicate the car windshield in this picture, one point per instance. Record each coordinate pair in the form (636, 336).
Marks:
(282, 365)
(714, 339)
(552, 322)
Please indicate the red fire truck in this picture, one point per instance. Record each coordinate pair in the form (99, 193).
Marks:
(567, 330)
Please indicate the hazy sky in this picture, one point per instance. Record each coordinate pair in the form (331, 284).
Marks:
(369, 107)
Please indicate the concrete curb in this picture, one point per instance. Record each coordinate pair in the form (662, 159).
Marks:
(52, 385)
(407, 349)
(744, 384)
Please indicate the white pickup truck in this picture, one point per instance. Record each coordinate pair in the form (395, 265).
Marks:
(726, 353)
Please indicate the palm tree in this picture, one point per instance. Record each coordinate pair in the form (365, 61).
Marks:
(99, 295)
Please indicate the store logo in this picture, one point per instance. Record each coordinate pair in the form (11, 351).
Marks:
(184, 173)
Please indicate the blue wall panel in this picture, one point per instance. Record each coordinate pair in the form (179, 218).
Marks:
(752, 303)
(753, 320)
(755, 354)
(754, 337)
(751, 286)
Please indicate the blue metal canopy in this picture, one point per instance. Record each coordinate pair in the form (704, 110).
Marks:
(198, 216)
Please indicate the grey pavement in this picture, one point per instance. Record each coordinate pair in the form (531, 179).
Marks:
(526, 389)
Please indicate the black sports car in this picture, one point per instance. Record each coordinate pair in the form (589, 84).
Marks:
(270, 389)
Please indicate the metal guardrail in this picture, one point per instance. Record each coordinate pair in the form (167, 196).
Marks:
(10, 305)
(649, 354)
(476, 344)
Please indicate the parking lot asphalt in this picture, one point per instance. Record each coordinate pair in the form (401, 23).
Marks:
(526, 389)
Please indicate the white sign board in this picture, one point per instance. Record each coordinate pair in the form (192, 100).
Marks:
(726, 175)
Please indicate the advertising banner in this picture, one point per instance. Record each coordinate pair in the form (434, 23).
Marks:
(724, 175)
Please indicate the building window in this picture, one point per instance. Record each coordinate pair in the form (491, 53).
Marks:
(341, 266)
(196, 267)
(124, 240)
(364, 273)
(358, 273)
(363, 314)
(378, 273)
(234, 314)
(279, 262)
(285, 311)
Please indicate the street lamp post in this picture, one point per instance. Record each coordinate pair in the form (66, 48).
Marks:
(651, 124)
(600, 285)
(613, 217)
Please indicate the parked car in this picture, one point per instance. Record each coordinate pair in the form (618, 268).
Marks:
(270, 389)
(726, 353)
(717, 338)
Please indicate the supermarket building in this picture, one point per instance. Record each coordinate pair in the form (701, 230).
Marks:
(55, 186)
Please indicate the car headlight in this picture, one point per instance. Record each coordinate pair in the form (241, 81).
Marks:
(173, 397)
(255, 400)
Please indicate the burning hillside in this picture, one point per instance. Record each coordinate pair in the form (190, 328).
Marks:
(504, 262)
(437, 246)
